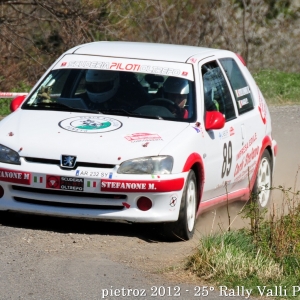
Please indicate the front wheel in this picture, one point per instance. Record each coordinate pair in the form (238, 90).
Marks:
(184, 227)
(262, 187)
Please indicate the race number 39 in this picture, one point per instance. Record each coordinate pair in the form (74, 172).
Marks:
(227, 159)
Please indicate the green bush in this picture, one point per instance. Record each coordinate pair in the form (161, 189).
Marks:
(4, 107)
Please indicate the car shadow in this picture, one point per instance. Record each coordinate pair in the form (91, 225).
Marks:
(147, 232)
(214, 220)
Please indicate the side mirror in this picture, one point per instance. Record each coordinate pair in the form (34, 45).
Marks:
(214, 120)
(14, 105)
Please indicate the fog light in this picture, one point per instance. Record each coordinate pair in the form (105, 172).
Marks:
(1, 191)
(144, 203)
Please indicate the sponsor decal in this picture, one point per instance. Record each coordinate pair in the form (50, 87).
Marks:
(224, 134)
(193, 60)
(127, 65)
(202, 131)
(173, 201)
(65, 183)
(91, 184)
(247, 159)
(246, 146)
(52, 182)
(243, 91)
(262, 106)
(121, 66)
(143, 137)
(90, 124)
(144, 68)
(197, 129)
(145, 186)
(243, 102)
(38, 179)
(89, 64)
(247, 172)
(15, 176)
(231, 131)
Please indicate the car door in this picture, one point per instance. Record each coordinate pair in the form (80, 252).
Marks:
(221, 146)
(251, 121)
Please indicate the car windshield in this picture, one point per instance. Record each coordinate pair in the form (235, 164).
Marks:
(124, 93)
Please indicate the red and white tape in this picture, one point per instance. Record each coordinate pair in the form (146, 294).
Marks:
(11, 95)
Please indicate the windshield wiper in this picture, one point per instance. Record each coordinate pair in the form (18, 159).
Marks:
(119, 111)
(60, 106)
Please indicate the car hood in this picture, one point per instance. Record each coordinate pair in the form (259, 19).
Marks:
(91, 137)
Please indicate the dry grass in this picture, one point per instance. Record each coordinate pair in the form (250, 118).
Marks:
(267, 253)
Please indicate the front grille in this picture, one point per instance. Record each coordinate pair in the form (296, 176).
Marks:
(69, 205)
(68, 193)
(78, 163)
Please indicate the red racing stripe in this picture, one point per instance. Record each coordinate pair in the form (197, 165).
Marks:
(146, 186)
(15, 176)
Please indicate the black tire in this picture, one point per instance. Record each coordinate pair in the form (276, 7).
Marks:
(184, 227)
(261, 192)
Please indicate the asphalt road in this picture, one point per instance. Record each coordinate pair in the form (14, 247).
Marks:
(52, 258)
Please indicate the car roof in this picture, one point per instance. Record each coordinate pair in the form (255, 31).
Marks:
(139, 50)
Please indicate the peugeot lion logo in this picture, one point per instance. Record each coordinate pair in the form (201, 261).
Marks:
(67, 161)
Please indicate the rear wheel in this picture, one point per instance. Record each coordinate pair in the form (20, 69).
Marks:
(263, 183)
(184, 227)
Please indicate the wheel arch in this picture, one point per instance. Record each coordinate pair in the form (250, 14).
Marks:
(269, 149)
(195, 163)
(266, 145)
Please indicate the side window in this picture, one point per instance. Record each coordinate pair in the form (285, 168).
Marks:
(216, 92)
(239, 85)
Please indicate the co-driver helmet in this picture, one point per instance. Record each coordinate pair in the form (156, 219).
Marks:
(101, 85)
(176, 89)
(175, 85)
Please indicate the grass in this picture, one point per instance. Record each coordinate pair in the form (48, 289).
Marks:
(267, 254)
(232, 259)
(279, 87)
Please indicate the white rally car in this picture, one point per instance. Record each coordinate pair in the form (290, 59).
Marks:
(137, 132)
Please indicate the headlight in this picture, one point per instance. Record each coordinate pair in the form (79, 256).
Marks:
(9, 156)
(147, 165)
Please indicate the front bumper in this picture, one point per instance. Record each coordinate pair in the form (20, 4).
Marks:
(89, 193)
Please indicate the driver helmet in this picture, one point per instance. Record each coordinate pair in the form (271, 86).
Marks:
(176, 89)
(101, 85)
